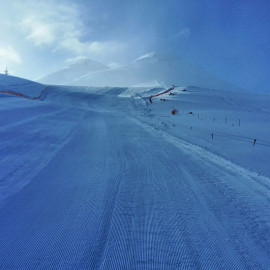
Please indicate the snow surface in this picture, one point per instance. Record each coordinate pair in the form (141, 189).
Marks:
(100, 178)
(19, 85)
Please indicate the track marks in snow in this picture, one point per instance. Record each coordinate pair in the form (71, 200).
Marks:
(235, 207)
(118, 195)
(22, 157)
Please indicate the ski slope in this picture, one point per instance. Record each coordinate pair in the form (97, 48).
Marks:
(20, 86)
(99, 178)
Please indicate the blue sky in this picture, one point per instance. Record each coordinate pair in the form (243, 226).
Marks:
(230, 39)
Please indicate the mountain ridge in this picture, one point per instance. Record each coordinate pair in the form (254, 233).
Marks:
(160, 69)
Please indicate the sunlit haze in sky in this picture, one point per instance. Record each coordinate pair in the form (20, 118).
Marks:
(230, 39)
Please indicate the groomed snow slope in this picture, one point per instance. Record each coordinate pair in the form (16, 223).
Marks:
(91, 179)
(19, 85)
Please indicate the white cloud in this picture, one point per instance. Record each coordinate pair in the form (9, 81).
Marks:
(59, 27)
(8, 57)
(95, 49)
(9, 54)
(39, 33)
(104, 47)
(49, 23)
(72, 45)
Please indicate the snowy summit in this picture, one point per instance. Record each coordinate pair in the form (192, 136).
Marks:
(151, 69)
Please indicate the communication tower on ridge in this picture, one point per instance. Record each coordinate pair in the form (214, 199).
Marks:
(6, 71)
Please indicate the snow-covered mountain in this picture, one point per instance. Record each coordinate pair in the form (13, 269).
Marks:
(74, 71)
(152, 69)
